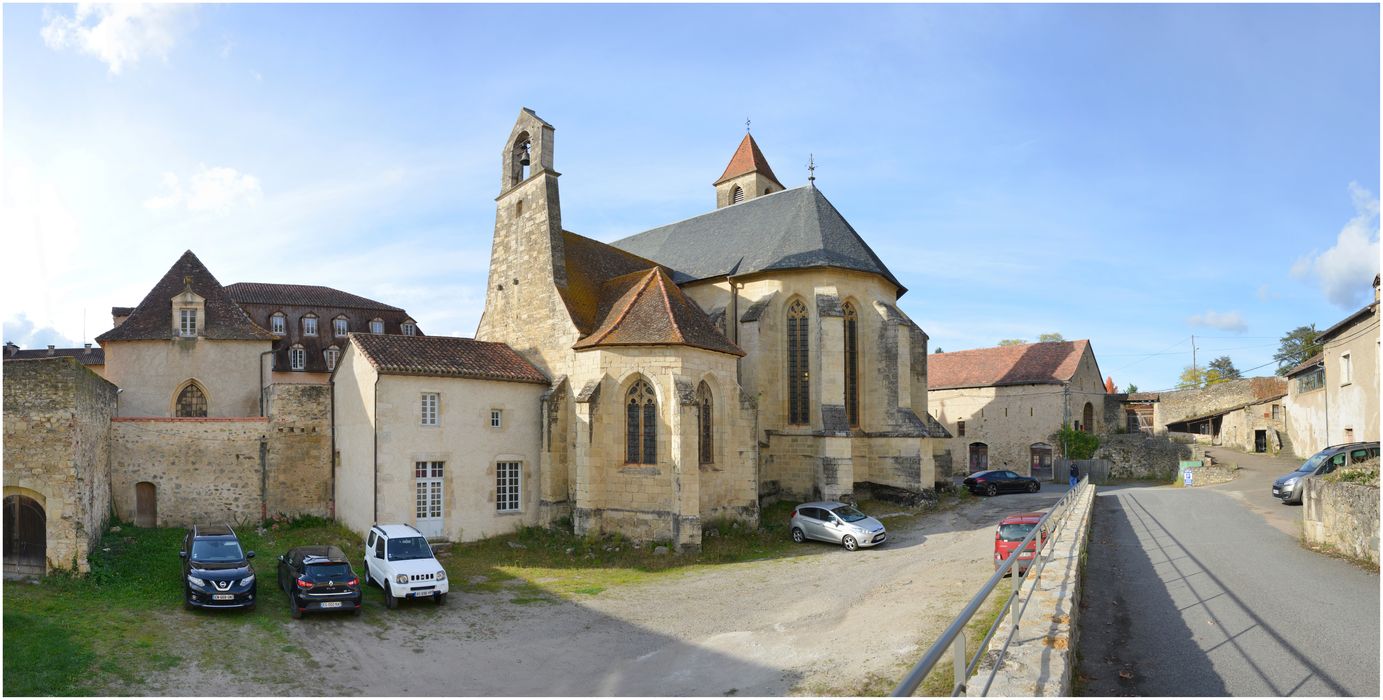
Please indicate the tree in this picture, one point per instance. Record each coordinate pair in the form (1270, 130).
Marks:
(1050, 338)
(1225, 367)
(1131, 388)
(1011, 341)
(938, 350)
(1298, 346)
(1196, 377)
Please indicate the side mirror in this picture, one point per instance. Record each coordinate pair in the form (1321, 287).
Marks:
(250, 554)
(182, 555)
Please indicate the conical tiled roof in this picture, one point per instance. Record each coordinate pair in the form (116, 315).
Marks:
(647, 308)
(747, 159)
(153, 320)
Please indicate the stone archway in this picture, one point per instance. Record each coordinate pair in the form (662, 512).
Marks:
(1087, 421)
(26, 537)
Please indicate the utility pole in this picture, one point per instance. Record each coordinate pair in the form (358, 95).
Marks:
(1193, 355)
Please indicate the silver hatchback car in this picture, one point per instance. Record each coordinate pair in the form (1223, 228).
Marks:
(836, 522)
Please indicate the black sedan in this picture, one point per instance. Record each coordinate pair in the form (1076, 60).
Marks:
(319, 577)
(997, 481)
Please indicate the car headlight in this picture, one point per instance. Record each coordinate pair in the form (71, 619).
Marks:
(247, 580)
(441, 575)
(1291, 481)
(196, 581)
(401, 578)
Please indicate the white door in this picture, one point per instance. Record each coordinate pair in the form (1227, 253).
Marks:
(428, 490)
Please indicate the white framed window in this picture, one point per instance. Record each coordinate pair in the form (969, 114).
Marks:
(297, 358)
(278, 324)
(427, 478)
(187, 322)
(409, 328)
(377, 326)
(309, 325)
(1346, 369)
(332, 354)
(496, 418)
(429, 408)
(507, 486)
(339, 326)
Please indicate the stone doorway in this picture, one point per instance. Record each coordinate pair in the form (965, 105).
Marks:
(145, 504)
(1041, 461)
(26, 537)
(1260, 441)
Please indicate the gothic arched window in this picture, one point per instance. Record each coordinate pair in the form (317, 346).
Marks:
(852, 365)
(191, 402)
(798, 376)
(705, 422)
(641, 424)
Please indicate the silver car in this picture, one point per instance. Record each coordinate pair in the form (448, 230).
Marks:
(836, 522)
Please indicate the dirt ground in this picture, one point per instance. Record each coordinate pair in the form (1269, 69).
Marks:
(824, 622)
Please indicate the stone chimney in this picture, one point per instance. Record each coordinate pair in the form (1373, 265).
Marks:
(10, 349)
(50, 350)
(87, 351)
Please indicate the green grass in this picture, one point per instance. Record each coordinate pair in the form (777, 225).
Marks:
(938, 683)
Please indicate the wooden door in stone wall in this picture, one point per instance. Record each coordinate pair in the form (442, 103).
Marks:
(145, 504)
(1041, 461)
(26, 537)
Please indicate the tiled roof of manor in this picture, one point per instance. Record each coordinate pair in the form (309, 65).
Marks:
(792, 229)
(152, 319)
(442, 356)
(86, 356)
(1033, 363)
(647, 308)
(301, 295)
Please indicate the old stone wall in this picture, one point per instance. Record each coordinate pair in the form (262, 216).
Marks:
(299, 454)
(1174, 406)
(1342, 516)
(1140, 456)
(204, 470)
(1238, 429)
(57, 451)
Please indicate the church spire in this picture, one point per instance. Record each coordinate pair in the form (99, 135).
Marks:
(747, 176)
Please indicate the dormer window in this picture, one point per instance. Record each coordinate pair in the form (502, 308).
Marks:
(331, 354)
(187, 323)
(309, 325)
(278, 324)
(409, 328)
(340, 326)
(377, 326)
(297, 358)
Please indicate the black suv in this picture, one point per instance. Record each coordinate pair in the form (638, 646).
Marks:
(318, 577)
(216, 572)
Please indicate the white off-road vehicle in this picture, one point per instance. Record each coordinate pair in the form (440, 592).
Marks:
(399, 560)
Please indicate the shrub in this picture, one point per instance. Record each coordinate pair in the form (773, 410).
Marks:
(1077, 444)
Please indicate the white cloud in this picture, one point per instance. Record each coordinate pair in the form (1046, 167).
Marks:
(1344, 270)
(217, 189)
(118, 35)
(1266, 293)
(1230, 321)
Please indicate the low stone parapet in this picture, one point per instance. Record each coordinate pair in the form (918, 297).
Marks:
(1040, 660)
(1341, 516)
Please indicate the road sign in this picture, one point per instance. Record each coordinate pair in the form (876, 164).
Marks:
(1186, 477)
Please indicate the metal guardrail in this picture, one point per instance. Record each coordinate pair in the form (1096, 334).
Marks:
(954, 636)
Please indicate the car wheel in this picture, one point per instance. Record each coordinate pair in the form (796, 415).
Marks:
(798, 536)
(357, 611)
(440, 599)
(850, 544)
(1033, 487)
(991, 490)
(293, 609)
(389, 600)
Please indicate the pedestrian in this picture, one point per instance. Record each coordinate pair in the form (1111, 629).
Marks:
(1075, 475)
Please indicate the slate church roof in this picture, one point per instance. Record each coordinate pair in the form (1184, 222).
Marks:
(1008, 365)
(442, 356)
(152, 319)
(792, 229)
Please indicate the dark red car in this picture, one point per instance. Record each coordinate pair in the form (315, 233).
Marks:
(1010, 532)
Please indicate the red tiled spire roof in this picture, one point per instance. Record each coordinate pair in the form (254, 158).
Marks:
(747, 159)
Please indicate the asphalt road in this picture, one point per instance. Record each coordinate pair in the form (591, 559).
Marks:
(1207, 591)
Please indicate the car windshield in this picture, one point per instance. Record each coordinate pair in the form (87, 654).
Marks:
(1015, 532)
(216, 551)
(329, 572)
(848, 513)
(1312, 463)
(409, 548)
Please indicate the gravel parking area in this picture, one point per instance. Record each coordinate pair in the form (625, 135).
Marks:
(824, 621)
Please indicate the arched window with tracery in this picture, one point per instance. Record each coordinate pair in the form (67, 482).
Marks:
(705, 423)
(641, 424)
(798, 376)
(852, 365)
(191, 402)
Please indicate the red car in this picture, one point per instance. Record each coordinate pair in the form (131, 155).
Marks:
(1010, 532)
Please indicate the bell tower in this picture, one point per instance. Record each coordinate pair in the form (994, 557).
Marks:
(746, 177)
(523, 306)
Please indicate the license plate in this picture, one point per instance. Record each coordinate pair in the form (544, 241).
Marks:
(222, 596)
(422, 594)
(335, 604)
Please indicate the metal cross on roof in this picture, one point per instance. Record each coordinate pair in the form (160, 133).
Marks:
(811, 168)
(746, 125)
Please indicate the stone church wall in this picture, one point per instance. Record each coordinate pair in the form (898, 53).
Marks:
(299, 457)
(56, 450)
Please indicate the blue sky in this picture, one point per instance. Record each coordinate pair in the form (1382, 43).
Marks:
(1129, 174)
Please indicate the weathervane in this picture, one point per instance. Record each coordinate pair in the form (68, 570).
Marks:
(811, 168)
(746, 125)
